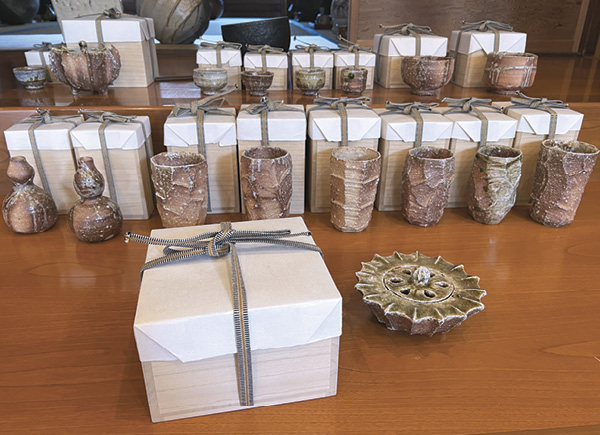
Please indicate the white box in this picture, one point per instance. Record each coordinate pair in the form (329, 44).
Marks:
(231, 60)
(185, 335)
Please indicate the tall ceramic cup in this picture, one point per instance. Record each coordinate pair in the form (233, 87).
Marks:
(354, 177)
(562, 171)
(181, 184)
(426, 180)
(266, 180)
(492, 185)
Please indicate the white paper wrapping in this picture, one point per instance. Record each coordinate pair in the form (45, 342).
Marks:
(125, 29)
(538, 122)
(32, 57)
(182, 131)
(281, 125)
(468, 126)
(327, 124)
(208, 56)
(302, 59)
(119, 135)
(53, 136)
(404, 127)
(185, 309)
(347, 58)
(474, 41)
(406, 45)
(274, 60)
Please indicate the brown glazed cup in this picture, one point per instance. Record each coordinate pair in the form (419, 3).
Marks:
(266, 181)
(310, 80)
(257, 82)
(561, 174)
(181, 184)
(506, 73)
(354, 177)
(426, 74)
(426, 180)
(354, 80)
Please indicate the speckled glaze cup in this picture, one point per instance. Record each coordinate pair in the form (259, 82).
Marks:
(310, 80)
(426, 74)
(32, 77)
(257, 82)
(506, 73)
(354, 80)
(210, 80)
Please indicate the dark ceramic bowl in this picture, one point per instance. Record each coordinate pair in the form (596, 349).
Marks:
(272, 31)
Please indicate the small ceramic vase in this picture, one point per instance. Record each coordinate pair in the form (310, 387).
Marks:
(257, 82)
(492, 186)
(426, 180)
(181, 184)
(562, 171)
(28, 209)
(427, 74)
(32, 77)
(266, 181)
(94, 218)
(354, 80)
(506, 73)
(354, 177)
(310, 80)
(210, 80)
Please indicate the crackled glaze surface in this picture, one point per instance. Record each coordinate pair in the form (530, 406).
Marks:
(32, 77)
(310, 80)
(419, 294)
(354, 80)
(426, 74)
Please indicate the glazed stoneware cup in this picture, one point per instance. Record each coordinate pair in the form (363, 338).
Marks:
(506, 73)
(310, 80)
(427, 74)
(354, 80)
(32, 77)
(210, 80)
(492, 185)
(426, 180)
(354, 177)
(266, 181)
(257, 82)
(181, 184)
(561, 174)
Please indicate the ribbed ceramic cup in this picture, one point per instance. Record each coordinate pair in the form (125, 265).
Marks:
(426, 179)
(492, 185)
(354, 177)
(266, 181)
(181, 184)
(561, 174)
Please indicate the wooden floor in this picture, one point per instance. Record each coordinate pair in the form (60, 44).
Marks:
(529, 363)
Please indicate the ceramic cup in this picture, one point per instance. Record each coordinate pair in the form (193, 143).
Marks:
(266, 181)
(181, 184)
(354, 80)
(506, 73)
(354, 177)
(562, 171)
(257, 82)
(492, 185)
(310, 80)
(426, 180)
(426, 74)
(32, 77)
(210, 80)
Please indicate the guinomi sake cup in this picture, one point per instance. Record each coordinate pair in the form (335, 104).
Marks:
(426, 179)
(266, 181)
(310, 80)
(181, 184)
(562, 171)
(426, 74)
(492, 185)
(257, 82)
(354, 177)
(506, 73)
(210, 80)
(32, 77)
(354, 80)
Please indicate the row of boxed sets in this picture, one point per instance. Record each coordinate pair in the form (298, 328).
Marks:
(125, 144)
